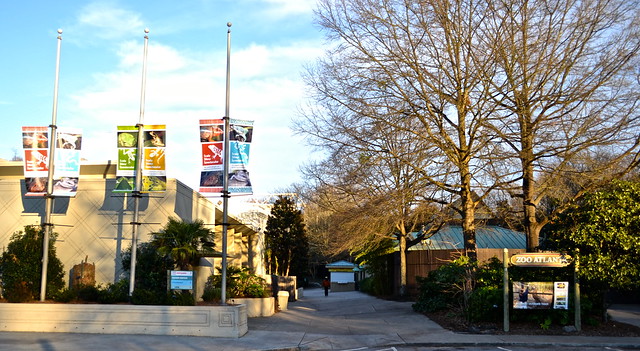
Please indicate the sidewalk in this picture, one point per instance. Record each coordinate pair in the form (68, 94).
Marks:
(351, 320)
(340, 321)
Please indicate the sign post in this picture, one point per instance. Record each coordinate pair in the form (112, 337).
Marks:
(543, 259)
(505, 288)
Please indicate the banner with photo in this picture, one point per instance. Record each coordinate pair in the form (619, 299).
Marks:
(35, 142)
(212, 136)
(533, 295)
(154, 177)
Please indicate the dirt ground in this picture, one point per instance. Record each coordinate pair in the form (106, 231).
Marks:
(455, 322)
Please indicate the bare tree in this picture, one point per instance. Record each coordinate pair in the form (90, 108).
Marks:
(373, 197)
(410, 68)
(565, 77)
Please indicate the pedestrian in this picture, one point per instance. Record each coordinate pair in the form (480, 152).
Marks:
(326, 285)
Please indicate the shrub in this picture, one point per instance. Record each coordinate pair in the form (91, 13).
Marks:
(485, 304)
(376, 285)
(149, 297)
(240, 283)
(476, 289)
(87, 293)
(65, 295)
(21, 266)
(441, 287)
(182, 298)
(114, 293)
(151, 268)
(211, 293)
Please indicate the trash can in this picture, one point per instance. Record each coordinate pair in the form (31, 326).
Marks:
(283, 300)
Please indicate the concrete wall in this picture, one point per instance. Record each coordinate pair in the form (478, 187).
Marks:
(212, 321)
(257, 307)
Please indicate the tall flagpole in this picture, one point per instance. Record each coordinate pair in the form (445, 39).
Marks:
(138, 177)
(225, 175)
(48, 226)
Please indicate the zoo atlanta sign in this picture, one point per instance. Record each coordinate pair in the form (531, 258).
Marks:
(541, 259)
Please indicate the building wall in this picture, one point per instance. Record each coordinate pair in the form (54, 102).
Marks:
(421, 262)
(95, 225)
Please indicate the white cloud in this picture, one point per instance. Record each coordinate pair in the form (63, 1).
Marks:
(184, 86)
(108, 21)
(285, 8)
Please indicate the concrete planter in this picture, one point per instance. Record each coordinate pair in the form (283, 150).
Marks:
(212, 321)
(256, 307)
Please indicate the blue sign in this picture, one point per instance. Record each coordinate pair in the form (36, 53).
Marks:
(181, 280)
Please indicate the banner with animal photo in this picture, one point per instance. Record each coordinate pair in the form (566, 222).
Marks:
(212, 136)
(35, 143)
(212, 151)
(533, 295)
(153, 169)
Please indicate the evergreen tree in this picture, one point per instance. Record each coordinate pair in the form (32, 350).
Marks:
(287, 245)
(605, 228)
(21, 266)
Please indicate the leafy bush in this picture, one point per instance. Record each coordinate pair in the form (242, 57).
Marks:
(240, 283)
(485, 304)
(151, 268)
(441, 287)
(111, 293)
(21, 266)
(211, 293)
(88, 293)
(433, 304)
(149, 297)
(114, 293)
(65, 295)
(478, 290)
(182, 298)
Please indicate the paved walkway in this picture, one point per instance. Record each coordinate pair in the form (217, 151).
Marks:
(341, 321)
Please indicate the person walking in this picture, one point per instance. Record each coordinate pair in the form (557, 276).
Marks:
(326, 285)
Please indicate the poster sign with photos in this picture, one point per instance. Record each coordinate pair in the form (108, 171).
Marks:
(35, 142)
(212, 136)
(154, 177)
(533, 295)
(561, 295)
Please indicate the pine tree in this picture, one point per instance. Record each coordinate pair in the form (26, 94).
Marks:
(287, 245)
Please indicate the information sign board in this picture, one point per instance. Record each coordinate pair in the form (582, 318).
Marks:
(181, 280)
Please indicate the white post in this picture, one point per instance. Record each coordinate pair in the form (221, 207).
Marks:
(225, 174)
(48, 226)
(139, 158)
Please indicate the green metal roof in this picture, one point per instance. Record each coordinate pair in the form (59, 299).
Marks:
(487, 237)
(341, 264)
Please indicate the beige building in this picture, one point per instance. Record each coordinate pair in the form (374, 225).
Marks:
(95, 225)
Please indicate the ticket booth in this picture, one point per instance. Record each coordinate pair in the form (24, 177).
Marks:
(342, 276)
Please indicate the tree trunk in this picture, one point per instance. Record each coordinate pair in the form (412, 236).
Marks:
(528, 191)
(468, 214)
(403, 265)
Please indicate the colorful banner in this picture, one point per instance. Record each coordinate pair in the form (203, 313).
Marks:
(212, 136)
(35, 142)
(154, 177)
(533, 295)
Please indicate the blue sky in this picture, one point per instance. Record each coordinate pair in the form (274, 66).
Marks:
(101, 71)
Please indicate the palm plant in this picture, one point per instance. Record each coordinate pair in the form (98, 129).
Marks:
(185, 242)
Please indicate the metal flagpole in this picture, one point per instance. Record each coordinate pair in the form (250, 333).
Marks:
(138, 177)
(48, 226)
(225, 175)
